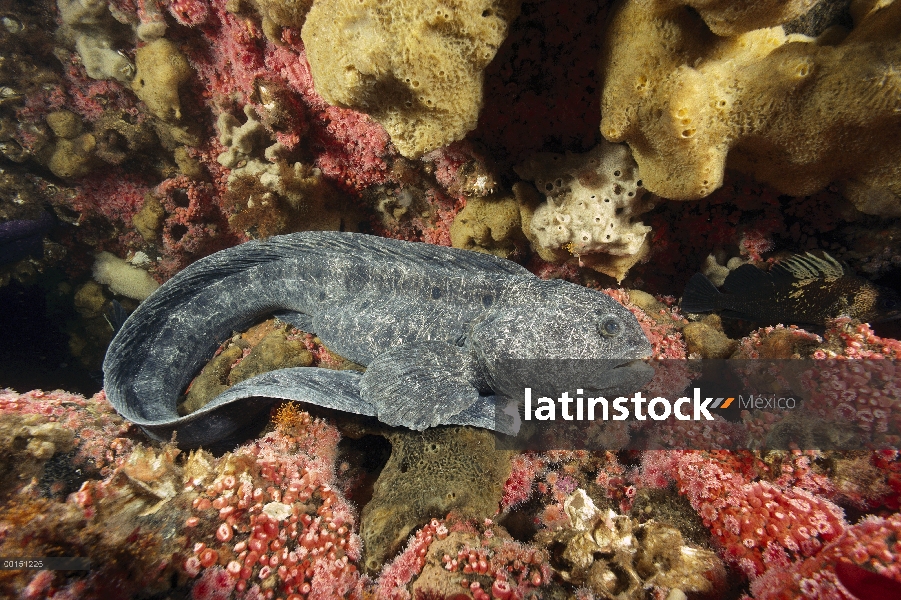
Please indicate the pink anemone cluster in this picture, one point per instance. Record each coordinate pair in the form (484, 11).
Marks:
(278, 522)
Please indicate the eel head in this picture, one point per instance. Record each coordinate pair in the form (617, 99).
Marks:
(557, 329)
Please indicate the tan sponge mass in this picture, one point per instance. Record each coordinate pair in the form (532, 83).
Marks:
(793, 111)
(276, 14)
(415, 67)
(161, 69)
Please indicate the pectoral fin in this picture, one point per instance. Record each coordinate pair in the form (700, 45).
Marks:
(486, 413)
(421, 385)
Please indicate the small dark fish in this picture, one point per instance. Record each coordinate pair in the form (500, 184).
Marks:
(23, 238)
(805, 289)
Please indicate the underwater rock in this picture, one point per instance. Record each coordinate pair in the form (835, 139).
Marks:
(90, 300)
(149, 220)
(277, 14)
(481, 557)
(157, 519)
(856, 479)
(27, 442)
(113, 138)
(717, 272)
(211, 381)
(64, 124)
(782, 344)
(415, 68)
(428, 475)
(277, 498)
(243, 141)
(707, 340)
(794, 431)
(89, 26)
(275, 351)
(262, 348)
(728, 17)
(268, 194)
(91, 334)
(121, 137)
(153, 477)
(435, 577)
(52, 442)
(835, 567)
(73, 158)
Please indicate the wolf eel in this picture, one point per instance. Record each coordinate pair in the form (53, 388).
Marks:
(434, 326)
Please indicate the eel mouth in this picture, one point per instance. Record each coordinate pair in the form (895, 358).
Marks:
(635, 373)
(633, 363)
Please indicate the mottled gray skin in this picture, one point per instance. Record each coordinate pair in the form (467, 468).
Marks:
(432, 324)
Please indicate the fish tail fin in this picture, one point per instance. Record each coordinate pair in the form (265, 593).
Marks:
(700, 295)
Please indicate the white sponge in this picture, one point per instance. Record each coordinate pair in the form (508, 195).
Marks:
(122, 278)
(593, 200)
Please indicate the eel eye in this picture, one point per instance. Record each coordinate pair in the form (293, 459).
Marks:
(611, 327)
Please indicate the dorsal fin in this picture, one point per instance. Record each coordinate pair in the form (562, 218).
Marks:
(808, 266)
(746, 278)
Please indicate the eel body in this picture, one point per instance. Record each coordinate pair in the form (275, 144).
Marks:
(433, 325)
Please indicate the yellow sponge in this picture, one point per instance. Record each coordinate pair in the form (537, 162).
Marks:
(160, 69)
(793, 111)
(276, 14)
(415, 67)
